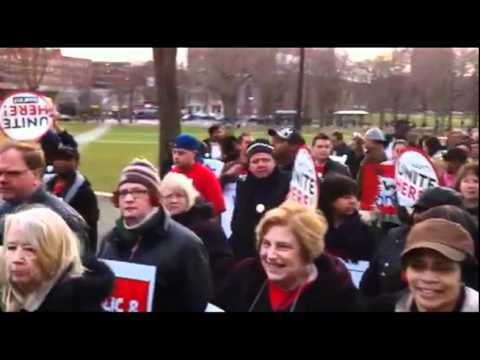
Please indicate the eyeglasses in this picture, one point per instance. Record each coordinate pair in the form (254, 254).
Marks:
(136, 193)
(13, 173)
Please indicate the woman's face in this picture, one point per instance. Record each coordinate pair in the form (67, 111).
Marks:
(21, 260)
(433, 280)
(469, 187)
(345, 205)
(174, 200)
(281, 257)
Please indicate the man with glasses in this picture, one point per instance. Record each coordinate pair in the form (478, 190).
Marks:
(21, 171)
(146, 234)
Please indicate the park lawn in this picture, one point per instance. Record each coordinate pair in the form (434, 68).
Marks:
(102, 160)
(417, 118)
(76, 127)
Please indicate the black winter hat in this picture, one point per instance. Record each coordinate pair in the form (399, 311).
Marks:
(438, 196)
(259, 146)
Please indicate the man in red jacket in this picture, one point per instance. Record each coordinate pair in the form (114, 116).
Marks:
(184, 153)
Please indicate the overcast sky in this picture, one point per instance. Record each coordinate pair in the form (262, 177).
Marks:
(145, 54)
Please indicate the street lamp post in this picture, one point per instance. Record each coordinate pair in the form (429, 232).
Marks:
(298, 117)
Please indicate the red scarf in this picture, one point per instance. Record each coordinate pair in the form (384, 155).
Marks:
(281, 299)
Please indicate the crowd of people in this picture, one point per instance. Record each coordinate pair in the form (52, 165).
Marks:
(219, 228)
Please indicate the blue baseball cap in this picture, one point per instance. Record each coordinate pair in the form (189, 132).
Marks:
(186, 142)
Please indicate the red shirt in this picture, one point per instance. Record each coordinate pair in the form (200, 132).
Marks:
(281, 299)
(320, 170)
(206, 184)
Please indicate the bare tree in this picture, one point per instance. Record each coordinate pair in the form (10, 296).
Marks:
(166, 82)
(32, 62)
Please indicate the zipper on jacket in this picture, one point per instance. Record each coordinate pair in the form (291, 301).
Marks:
(135, 248)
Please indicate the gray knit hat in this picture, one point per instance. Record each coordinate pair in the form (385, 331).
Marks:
(141, 171)
(375, 134)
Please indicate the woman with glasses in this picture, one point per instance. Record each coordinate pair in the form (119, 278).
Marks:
(146, 234)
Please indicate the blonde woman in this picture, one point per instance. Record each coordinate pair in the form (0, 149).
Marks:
(291, 273)
(42, 270)
(184, 203)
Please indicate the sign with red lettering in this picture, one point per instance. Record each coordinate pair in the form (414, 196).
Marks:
(378, 188)
(414, 173)
(26, 116)
(304, 184)
(133, 288)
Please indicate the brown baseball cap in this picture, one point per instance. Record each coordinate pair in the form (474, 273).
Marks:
(448, 238)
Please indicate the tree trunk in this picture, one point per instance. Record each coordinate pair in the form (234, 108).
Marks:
(230, 106)
(130, 104)
(166, 83)
(382, 119)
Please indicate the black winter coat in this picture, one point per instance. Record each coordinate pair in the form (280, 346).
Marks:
(182, 281)
(352, 240)
(332, 291)
(200, 220)
(384, 273)
(86, 204)
(73, 219)
(252, 192)
(83, 294)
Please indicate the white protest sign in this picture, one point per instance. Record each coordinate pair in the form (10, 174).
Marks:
(304, 184)
(414, 173)
(133, 288)
(356, 269)
(26, 116)
(229, 193)
(215, 166)
(341, 159)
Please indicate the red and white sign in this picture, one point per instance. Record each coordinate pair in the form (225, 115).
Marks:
(133, 288)
(414, 173)
(26, 116)
(304, 184)
(378, 188)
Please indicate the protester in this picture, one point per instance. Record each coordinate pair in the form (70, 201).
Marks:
(185, 150)
(348, 237)
(397, 148)
(213, 147)
(432, 148)
(375, 154)
(74, 189)
(434, 258)
(401, 133)
(321, 151)
(43, 269)
(145, 234)
(467, 184)
(454, 159)
(263, 188)
(53, 138)
(384, 274)
(341, 149)
(286, 143)
(21, 169)
(184, 204)
(291, 272)
(358, 154)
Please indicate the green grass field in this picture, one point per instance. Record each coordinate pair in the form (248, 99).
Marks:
(75, 128)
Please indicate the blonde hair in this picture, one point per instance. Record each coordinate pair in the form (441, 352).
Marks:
(180, 182)
(307, 225)
(56, 244)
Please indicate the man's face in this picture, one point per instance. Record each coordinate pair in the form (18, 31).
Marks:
(281, 148)
(17, 181)
(372, 145)
(261, 165)
(321, 150)
(218, 134)
(184, 159)
(64, 166)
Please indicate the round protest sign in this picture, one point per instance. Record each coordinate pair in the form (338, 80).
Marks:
(414, 173)
(304, 184)
(26, 116)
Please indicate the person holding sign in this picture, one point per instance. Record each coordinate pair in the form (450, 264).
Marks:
(44, 273)
(263, 188)
(290, 272)
(434, 257)
(286, 143)
(145, 234)
(348, 237)
(21, 169)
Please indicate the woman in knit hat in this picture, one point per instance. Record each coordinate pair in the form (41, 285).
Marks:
(348, 236)
(145, 234)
